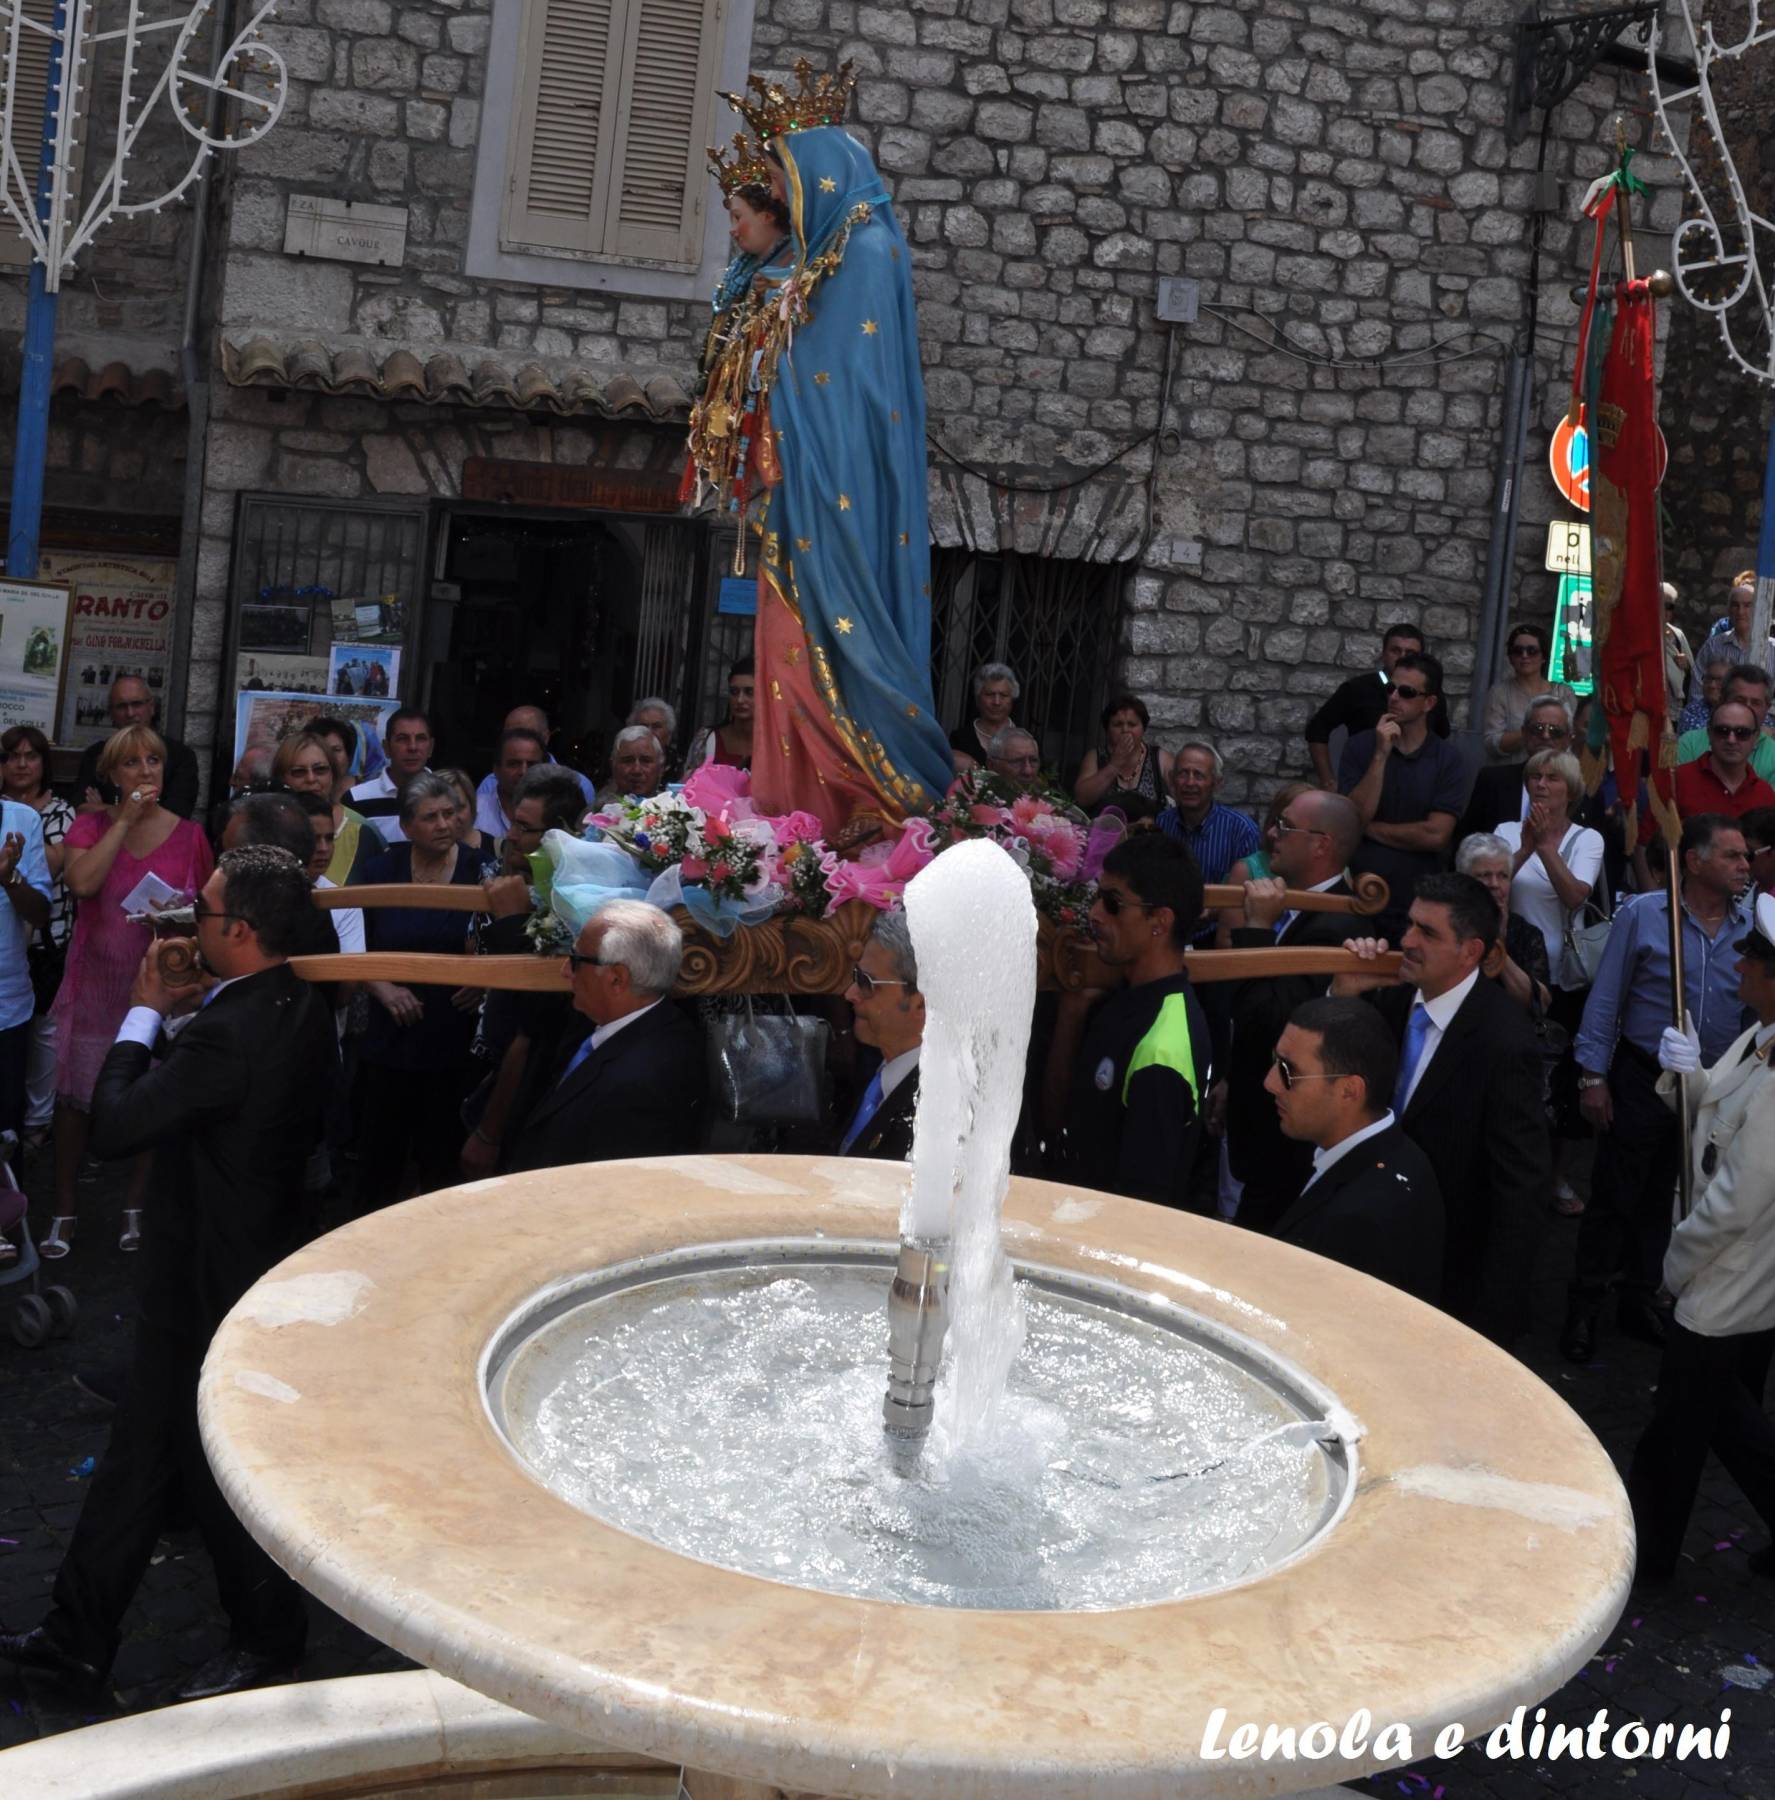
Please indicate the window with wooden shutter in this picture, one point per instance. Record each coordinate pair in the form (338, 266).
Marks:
(614, 109)
(30, 86)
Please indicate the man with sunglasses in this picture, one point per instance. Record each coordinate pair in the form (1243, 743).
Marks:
(231, 1112)
(1310, 847)
(1722, 780)
(1361, 702)
(1134, 1121)
(1468, 1095)
(628, 1077)
(889, 1012)
(1370, 1201)
(1497, 797)
(1408, 785)
(1748, 683)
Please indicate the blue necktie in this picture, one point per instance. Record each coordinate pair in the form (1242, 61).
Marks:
(579, 1056)
(866, 1110)
(1416, 1030)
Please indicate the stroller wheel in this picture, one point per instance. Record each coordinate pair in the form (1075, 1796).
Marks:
(31, 1321)
(63, 1307)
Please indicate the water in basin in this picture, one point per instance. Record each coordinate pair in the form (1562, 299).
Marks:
(734, 1415)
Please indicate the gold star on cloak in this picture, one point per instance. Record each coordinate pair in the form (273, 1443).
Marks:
(870, 328)
(895, 415)
(828, 185)
(821, 379)
(844, 502)
(804, 543)
(845, 627)
(905, 537)
(912, 712)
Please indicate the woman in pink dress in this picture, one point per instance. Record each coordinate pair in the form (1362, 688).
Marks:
(106, 855)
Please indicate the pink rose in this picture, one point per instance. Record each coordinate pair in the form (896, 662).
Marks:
(693, 868)
(719, 872)
(715, 830)
(983, 814)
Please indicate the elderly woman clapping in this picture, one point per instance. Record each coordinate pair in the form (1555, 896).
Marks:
(1554, 863)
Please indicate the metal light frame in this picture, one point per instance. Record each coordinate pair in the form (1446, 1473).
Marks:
(55, 232)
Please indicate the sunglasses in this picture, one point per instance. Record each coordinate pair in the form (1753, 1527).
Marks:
(1546, 731)
(1290, 1075)
(1406, 691)
(866, 984)
(1114, 902)
(1738, 734)
(577, 960)
(1525, 649)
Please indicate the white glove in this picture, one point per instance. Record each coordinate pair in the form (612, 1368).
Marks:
(1680, 1051)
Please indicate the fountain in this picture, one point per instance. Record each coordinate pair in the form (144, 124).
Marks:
(608, 1445)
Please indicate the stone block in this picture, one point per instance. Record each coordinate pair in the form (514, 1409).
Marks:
(1004, 122)
(392, 468)
(384, 64)
(281, 290)
(374, 18)
(345, 110)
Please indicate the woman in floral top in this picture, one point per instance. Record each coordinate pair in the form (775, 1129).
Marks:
(24, 777)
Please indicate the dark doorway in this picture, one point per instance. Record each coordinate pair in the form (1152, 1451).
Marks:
(554, 610)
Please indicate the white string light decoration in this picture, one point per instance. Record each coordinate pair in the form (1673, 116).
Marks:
(1723, 257)
(249, 73)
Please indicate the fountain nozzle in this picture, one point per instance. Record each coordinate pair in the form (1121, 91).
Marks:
(918, 1315)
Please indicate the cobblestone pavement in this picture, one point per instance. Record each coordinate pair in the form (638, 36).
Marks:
(1678, 1655)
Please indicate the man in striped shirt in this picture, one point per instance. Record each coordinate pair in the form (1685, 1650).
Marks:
(1214, 835)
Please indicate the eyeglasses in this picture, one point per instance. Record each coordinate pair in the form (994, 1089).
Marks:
(1738, 734)
(1290, 1075)
(1113, 901)
(201, 910)
(1546, 731)
(866, 984)
(577, 960)
(1283, 829)
(1525, 649)
(1407, 692)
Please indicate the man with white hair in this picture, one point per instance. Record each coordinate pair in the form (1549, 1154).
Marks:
(1215, 835)
(631, 1080)
(660, 717)
(1014, 756)
(637, 766)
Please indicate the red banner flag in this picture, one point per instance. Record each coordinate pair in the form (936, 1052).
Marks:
(1628, 599)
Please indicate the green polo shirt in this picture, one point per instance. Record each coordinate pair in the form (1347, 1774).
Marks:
(1692, 746)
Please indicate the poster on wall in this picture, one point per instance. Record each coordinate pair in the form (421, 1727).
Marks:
(35, 620)
(371, 671)
(263, 720)
(123, 625)
(262, 671)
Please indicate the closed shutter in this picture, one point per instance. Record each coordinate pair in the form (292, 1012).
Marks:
(557, 153)
(614, 107)
(29, 88)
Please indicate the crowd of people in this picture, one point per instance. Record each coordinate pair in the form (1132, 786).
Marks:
(1419, 1118)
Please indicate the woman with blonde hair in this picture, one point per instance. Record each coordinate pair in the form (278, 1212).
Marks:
(106, 857)
(305, 764)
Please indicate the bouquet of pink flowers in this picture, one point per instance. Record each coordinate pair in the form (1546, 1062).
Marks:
(667, 831)
(1040, 827)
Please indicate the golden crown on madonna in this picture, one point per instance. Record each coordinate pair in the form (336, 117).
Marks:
(820, 99)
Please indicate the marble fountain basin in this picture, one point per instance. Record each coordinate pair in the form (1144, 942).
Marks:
(1467, 1557)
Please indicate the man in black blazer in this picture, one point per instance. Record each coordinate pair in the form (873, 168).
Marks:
(1312, 844)
(889, 1013)
(232, 1112)
(1469, 1095)
(1371, 1201)
(1496, 798)
(629, 1077)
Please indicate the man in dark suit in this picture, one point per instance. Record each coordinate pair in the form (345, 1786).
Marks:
(1312, 844)
(1371, 1201)
(889, 1013)
(629, 1076)
(232, 1112)
(132, 702)
(1496, 798)
(1469, 1096)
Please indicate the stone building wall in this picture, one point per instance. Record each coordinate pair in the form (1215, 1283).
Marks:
(1335, 177)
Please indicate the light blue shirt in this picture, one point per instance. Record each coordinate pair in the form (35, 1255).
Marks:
(17, 1003)
(490, 815)
(1630, 997)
